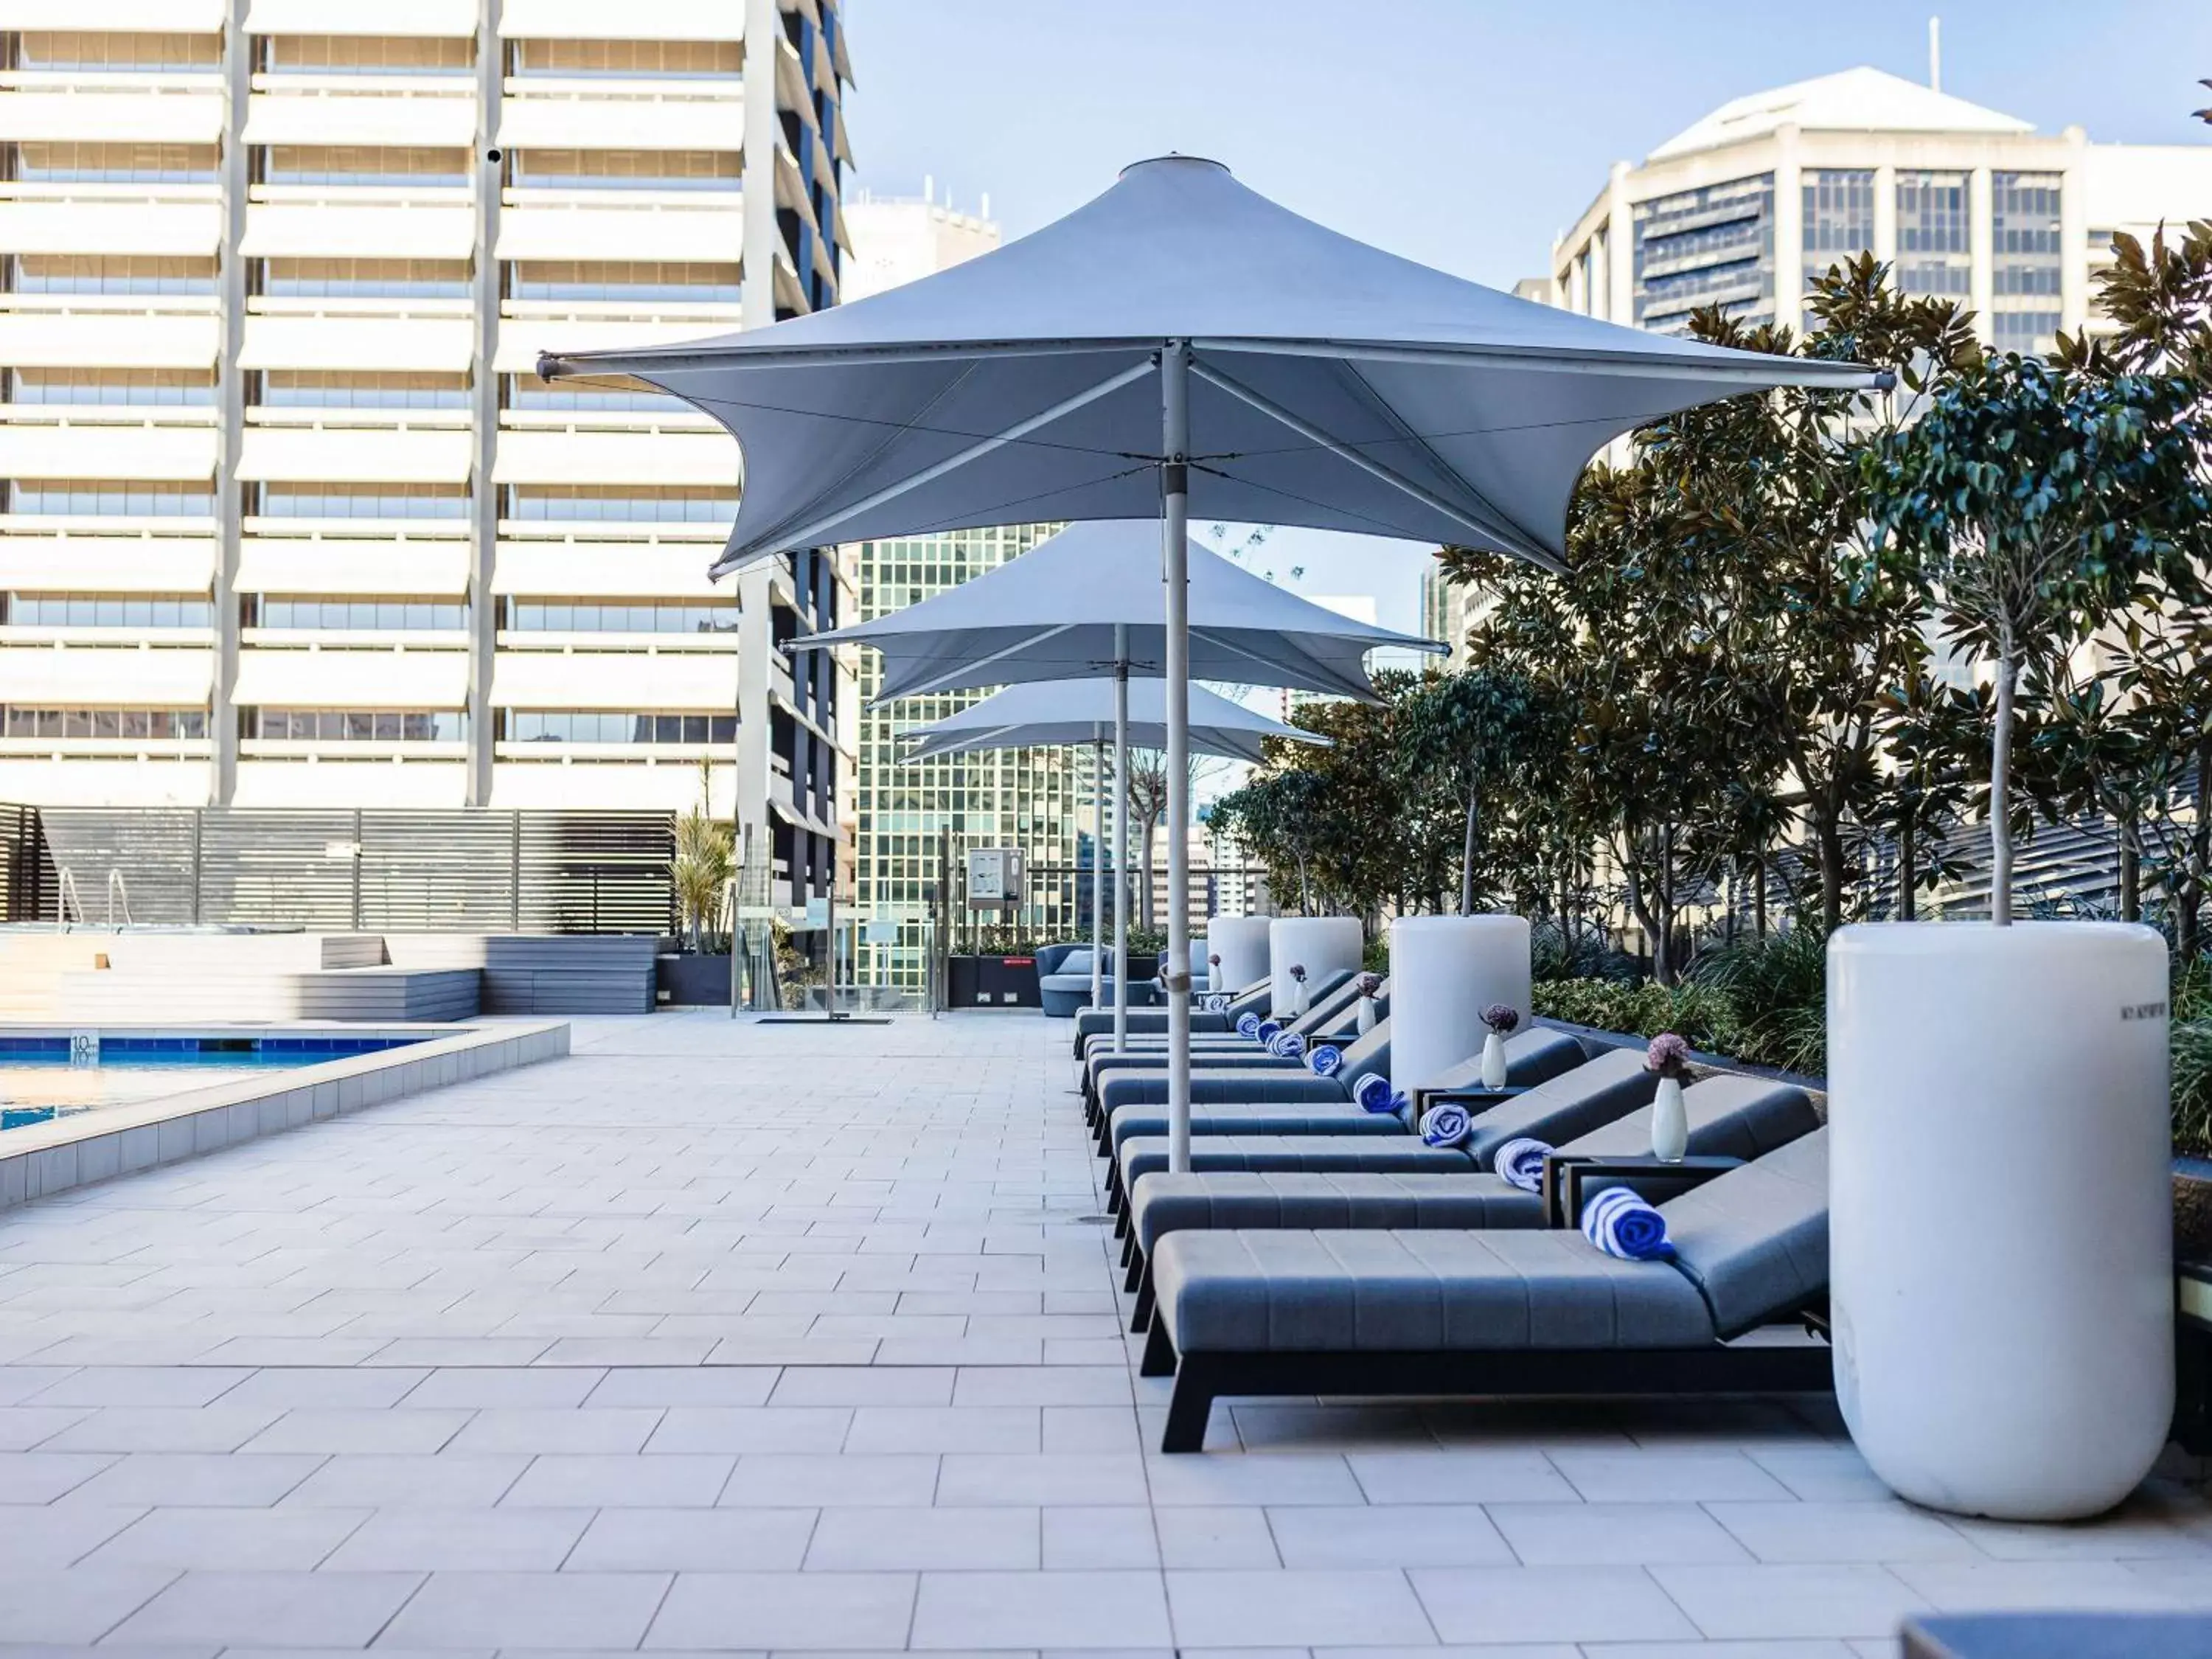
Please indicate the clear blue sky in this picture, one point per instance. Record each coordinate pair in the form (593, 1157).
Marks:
(1463, 133)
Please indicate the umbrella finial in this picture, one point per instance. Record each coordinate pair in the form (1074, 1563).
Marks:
(1174, 158)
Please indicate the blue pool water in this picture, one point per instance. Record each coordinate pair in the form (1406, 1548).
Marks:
(53, 1075)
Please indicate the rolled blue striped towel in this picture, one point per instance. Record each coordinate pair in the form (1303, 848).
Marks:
(1622, 1224)
(1268, 1031)
(1288, 1045)
(1447, 1125)
(1521, 1163)
(1326, 1058)
(1216, 1002)
(1248, 1024)
(1373, 1093)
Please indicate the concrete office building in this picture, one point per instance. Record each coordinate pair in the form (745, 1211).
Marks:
(1747, 207)
(289, 520)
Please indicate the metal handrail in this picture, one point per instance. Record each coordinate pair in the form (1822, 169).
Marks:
(118, 889)
(63, 893)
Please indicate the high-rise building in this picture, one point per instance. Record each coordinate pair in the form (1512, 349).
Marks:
(1449, 609)
(1748, 207)
(907, 816)
(290, 518)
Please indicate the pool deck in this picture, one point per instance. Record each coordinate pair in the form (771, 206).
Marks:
(712, 1335)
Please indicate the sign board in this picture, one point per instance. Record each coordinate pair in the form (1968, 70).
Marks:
(994, 877)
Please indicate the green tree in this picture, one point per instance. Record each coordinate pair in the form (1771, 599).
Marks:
(1466, 737)
(2040, 500)
(702, 867)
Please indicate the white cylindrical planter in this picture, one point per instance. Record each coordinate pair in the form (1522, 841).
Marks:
(1444, 971)
(2001, 1249)
(1240, 942)
(1320, 945)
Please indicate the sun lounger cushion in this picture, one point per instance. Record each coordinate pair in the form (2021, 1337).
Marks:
(1226, 1200)
(1532, 1056)
(1147, 1154)
(1755, 1241)
(1256, 1118)
(1730, 1115)
(1422, 1293)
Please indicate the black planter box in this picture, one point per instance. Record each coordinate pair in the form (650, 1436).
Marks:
(692, 981)
(993, 982)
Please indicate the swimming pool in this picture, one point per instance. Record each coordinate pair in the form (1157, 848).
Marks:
(46, 1075)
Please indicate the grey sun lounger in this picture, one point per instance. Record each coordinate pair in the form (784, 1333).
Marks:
(1247, 999)
(1732, 1115)
(1532, 1057)
(1266, 1080)
(1330, 1011)
(1574, 1100)
(1503, 1313)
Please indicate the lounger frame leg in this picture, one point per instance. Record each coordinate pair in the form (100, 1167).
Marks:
(1159, 1358)
(1628, 1373)
(1140, 1314)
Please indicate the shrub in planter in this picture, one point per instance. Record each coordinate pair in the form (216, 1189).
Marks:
(1776, 987)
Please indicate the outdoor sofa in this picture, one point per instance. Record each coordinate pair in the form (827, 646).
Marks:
(1510, 1312)
(1064, 981)
(1732, 1118)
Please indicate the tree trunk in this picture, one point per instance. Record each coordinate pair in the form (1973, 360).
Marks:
(1830, 836)
(2001, 792)
(2130, 871)
(1759, 898)
(1466, 858)
(1908, 864)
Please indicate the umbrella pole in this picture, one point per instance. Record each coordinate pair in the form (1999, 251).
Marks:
(1121, 981)
(1174, 668)
(1098, 863)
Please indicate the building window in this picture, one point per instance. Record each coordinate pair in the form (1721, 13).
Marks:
(87, 163)
(365, 54)
(291, 388)
(137, 53)
(2026, 271)
(365, 164)
(1714, 245)
(106, 610)
(630, 60)
(536, 616)
(1935, 236)
(118, 723)
(361, 500)
(111, 498)
(286, 610)
(157, 387)
(1839, 219)
(608, 394)
(365, 279)
(623, 280)
(355, 725)
(635, 503)
(626, 169)
(109, 273)
(592, 725)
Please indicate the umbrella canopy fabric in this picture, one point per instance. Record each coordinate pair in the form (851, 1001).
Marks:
(1052, 614)
(1331, 385)
(1048, 714)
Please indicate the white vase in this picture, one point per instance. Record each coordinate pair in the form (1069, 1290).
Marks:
(1493, 1061)
(2000, 1230)
(1670, 1122)
(1366, 1015)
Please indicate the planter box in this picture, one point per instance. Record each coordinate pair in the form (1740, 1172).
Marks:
(692, 981)
(993, 982)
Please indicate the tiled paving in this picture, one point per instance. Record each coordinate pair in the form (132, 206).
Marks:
(716, 1336)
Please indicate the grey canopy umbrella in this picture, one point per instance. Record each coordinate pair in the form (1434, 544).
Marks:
(1057, 714)
(1181, 344)
(1087, 601)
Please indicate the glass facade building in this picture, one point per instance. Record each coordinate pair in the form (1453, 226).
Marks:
(1713, 246)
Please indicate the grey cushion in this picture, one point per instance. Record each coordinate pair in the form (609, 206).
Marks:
(1226, 1201)
(1531, 1057)
(1247, 1118)
(1754, 1242)
(1125, 1087)
(1143, 1155)
(1416, 1292)
(1568, 1106)
(1076, 965)
(1730, 1115)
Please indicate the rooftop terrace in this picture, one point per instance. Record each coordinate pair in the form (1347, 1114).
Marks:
(721, 1335)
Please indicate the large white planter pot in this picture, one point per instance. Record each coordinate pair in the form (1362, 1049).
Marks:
(1322, 945)
(1444, 971)
(1240, 942)
(2001, 1240)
